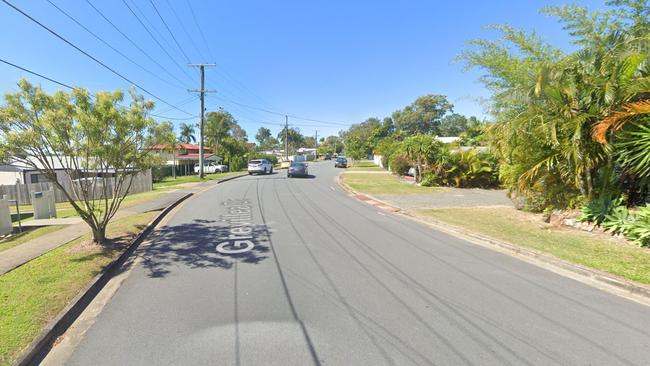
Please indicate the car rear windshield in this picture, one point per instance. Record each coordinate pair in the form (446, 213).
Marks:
(298, 164)
(255, 162)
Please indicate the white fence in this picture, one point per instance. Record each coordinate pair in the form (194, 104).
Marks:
(141, 183)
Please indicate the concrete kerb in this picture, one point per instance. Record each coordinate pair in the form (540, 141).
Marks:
(602, 280)
(40, 346)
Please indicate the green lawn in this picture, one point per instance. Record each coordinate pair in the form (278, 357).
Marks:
(373, 168)
(378, 184)
(65, 210)
(508, 224)
(34, 293)
(363, 164)
(27, 236)
(169, 181)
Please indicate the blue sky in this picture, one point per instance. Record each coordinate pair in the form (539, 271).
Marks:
(334, 61)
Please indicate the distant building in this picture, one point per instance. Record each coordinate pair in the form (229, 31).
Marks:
(306, 151)
(27, 174)
(186, 154)
(448, 139)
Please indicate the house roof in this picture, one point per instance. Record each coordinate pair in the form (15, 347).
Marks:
(179, 146)
(196, 157)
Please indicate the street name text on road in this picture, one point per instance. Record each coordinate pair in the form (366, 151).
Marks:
(239, 218)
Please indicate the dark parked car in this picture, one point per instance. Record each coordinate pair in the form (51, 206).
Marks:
(341, 163)
(327, 157)
(297, 170)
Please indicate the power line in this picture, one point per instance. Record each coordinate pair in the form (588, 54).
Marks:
(155, 40)
(37, 74)
(133, 43)
(72, 87)
(170, 31)
(172, 118)
(205, 42)
(91, 56)
(187, 34)
(182, 103)
(283, 114)
(110, 46)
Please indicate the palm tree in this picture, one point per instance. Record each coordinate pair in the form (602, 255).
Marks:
(187, 133)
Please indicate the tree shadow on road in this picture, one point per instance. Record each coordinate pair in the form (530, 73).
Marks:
(193, 246)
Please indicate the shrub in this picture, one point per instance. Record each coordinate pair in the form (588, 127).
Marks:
(638, 228)
(597, 209)
(617, 221)
(158, 173)
(430, 179)
(399, 164)
(272, 158)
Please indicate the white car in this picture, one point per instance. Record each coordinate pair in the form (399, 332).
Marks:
(260, 166)
(211, 168)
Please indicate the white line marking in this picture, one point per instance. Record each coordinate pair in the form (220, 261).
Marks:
(332, 188)
(381, 213)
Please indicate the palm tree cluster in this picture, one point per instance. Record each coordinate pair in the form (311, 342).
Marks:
(570, 127)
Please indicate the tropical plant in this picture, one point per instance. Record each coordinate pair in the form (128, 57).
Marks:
(617, 220)
(470, 169)
(555, 112)
(187, 133)
(597, 210)
(421, 149)
(638, 229)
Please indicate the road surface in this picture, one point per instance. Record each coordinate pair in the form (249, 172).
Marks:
(310, 276)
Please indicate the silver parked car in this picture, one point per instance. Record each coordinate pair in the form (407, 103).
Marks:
(297, 170)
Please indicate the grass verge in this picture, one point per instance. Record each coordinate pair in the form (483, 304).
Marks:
(526, 230)
(364, 164)
(27, 236)
(34, 293)
(65, 210)
(379, 184)
(169, 181)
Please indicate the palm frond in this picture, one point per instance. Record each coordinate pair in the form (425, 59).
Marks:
(616, 120)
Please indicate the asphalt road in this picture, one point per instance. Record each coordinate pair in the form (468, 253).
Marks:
(332, 281)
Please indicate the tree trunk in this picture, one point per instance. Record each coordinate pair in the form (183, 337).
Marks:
(174, 164)
(99, 234)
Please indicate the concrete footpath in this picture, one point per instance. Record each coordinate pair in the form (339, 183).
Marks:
(23, 253)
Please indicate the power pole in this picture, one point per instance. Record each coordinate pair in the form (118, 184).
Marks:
(286, 136)
(316, 144)
(201, 92)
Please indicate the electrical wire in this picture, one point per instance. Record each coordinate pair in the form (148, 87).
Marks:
(170, 31)
(282, 114)
(155, 40)
(187, 34)
(205, 42)
(37, 74)
(72, 87)
(111, 47)
(91, 56)
(132, 42)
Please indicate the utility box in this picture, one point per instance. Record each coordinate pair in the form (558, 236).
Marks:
(5, 217)
(44, 204)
